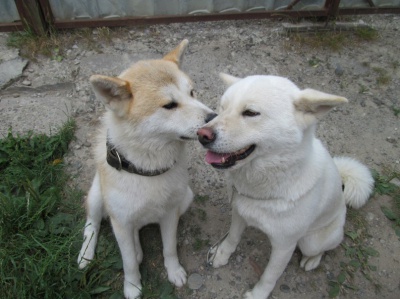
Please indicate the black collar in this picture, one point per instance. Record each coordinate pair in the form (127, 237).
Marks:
(119, 162)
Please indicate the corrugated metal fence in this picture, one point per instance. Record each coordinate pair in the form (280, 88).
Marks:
(42, 14)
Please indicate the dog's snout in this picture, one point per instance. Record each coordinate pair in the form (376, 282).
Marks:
(210, 117)
(205, 135)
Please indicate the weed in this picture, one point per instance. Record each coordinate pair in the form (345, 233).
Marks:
(363, 88)
(384, 186)
(335, 40)
(318, 40)
(201, 214)
(355, 248)
(55, 43)
(314, 62)
(40, 229)
(383, 77)
(395, 64)
(105, 34)
(154, 281)
(358, 256)
(201, 199)
(32, 45)
(366, 34)
(199, 244)
(396, 111)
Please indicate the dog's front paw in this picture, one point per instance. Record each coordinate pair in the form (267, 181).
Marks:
(220, 257)
(132, 291)
(85, 257)
(177, 276)
(248, 295)
(310, 262)
(82, 262)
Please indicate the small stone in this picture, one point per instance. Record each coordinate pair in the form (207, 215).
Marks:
(395, 181)
(87, 144)
(370, 216)
(239, 259)
(195, 281)
(391, 140)
(26, 83)
(284, 288)
(339, 70)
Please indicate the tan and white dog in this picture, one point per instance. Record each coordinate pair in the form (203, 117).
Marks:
(142, 172)
(281, 179)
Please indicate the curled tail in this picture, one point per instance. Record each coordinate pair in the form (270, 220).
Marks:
(357, 181)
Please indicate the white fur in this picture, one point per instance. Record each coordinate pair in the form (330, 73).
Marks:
(289, 187)
(149, 136)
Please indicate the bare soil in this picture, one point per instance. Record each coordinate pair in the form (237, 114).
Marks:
(366, 72)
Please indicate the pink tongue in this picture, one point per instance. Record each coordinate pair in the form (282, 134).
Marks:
(212, 157)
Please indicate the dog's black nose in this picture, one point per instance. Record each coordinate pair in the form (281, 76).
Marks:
(206, 135)
(210, 117)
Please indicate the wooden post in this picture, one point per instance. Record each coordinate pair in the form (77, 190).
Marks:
(333, 8)
(32, 16)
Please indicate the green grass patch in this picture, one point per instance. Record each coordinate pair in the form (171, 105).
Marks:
(201, 199)
(383, 186)
(41, 223)
(334, 40)
(396, 111)
(356, 250)
(383, 78)
(55, 44)
(357, 256)
(366, 34)
(154, 281)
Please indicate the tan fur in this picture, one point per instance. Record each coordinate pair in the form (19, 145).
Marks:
(151, 137)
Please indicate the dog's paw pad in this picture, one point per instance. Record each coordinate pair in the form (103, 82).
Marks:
(310, 263)
(177, 277)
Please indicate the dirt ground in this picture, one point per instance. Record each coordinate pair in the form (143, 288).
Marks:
(367, 73)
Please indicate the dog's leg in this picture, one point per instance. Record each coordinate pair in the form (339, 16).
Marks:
(126, 242)
(168, 226)
(94, 206)
(228, 246)
(280, 257)
(138, 246)
(314, 245)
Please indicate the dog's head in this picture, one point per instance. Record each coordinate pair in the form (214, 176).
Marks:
(154, 98)
(261, 116)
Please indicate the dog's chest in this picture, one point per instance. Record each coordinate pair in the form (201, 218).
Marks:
(274, 217)
(144, 200)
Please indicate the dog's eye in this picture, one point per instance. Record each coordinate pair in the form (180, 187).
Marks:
(171, 105)
(250, 113)
(192, 93)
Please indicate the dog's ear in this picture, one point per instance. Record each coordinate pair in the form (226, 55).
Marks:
(228, 79)
(114, 92)
(312, 104)
(176, 55)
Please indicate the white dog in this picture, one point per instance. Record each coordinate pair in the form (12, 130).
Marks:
(141, 173)
(281, 178)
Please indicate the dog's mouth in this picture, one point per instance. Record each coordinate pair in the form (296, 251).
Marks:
(226, 160)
